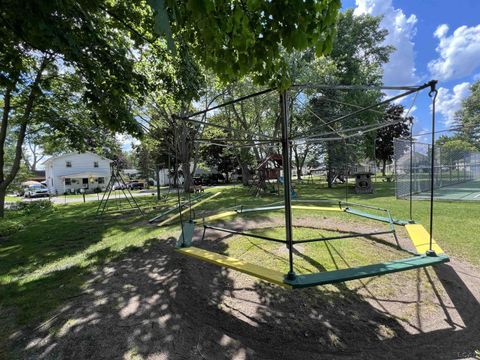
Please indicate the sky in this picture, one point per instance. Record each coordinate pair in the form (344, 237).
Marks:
(434, 39)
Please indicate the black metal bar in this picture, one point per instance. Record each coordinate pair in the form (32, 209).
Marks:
(217, 126)
(351, 132)
(231, 102)
(287, 175)
(432, 180)
(357, 87)
(101, 204)
(271, 140)
(343, 237)
(368, 206)
(389, 100)
(230, 231)
(411, 172)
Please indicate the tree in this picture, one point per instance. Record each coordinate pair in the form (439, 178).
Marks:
(454, 148)
(468, 117)
(384, 149)
(57, 56)
(238, 38)
(220, 157)
(358, 55)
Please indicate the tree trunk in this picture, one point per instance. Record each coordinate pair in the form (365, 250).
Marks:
(384, 165)
(34, 90)
(245, 174)
(297, 162)
(3, 192)
(330, 170)
(187, 177)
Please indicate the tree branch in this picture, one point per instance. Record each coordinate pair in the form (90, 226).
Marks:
(4, 125)
(34, 90)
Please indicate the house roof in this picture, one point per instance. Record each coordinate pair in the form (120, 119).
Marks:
(74, 153)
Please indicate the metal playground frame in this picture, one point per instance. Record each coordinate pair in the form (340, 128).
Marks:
(427, 251)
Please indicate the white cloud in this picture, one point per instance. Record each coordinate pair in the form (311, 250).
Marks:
(449, 102)
(459, 53)
(441, 31)
(400, 70)
(127, 141)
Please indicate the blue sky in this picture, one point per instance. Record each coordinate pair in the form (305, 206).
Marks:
(435, 39)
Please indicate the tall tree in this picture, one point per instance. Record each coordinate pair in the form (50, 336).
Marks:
(358, 55)
(384, 148)
(468, 117)
(85, 46)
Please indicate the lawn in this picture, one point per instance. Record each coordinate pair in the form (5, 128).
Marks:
(54, 250)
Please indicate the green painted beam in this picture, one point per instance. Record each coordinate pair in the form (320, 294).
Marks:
(186, 236)
(336, 276)
(375, 217)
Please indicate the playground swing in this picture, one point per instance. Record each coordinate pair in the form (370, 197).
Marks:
(116, 179)
(428, 252)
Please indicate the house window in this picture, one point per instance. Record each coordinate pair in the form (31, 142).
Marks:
(101, 180)
(68, 181)
(95, 164)
(69, 164)
(85, 181)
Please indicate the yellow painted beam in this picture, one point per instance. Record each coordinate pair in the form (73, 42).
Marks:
(220, 215)
(321, 208)
(257, 271)
(421, 239)
(173, 217)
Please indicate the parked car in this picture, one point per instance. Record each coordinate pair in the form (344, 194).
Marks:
(119, 186)
(197, 180)
(32, 191)
(135, 185)
(213, 179)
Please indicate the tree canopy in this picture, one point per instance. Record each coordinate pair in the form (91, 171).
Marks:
(238, 38)
(468, 117)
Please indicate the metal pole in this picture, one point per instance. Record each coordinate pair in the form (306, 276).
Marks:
(432, 179)
(157, 169)
(411, 171)
(287, 174)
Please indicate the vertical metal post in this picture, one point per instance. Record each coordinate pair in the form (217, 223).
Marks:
(432, 180)
(411, 172)
(287, 174)
(157, 169)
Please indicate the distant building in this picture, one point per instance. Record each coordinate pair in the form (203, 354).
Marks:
(38, 175)
(69, 173)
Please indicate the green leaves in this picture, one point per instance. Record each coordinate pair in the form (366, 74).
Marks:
(238, 38)
(162, 22)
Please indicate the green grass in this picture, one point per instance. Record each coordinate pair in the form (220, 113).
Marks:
(456, 224)
(12, 198)
(54, 251)
(309, 257)
(55, 254)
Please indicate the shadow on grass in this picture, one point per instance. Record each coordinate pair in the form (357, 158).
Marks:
(155, 302)
(151, 301)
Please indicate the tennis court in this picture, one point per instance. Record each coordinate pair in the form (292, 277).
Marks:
(465, 191)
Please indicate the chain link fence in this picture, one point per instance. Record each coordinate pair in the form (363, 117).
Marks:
(412, 162)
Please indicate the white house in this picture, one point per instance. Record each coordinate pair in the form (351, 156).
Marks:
(71, 172)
